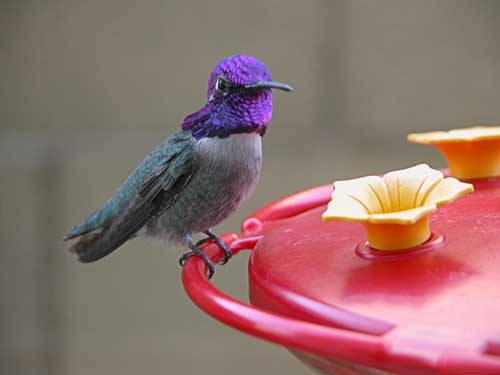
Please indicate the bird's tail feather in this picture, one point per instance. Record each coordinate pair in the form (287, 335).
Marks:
(88, 248)
(95, 245)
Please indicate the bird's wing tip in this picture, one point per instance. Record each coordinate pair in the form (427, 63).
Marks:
(67, 237)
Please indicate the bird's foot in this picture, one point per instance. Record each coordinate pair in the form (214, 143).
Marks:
(222, 245)
(202, 255)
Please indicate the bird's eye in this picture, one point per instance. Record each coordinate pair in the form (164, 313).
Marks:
(221, 84)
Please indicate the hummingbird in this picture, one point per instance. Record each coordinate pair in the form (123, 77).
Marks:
(197, 177)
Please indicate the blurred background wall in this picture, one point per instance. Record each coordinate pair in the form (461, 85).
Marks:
(87, 88)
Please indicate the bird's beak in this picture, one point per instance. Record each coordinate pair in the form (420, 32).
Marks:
(269, 85)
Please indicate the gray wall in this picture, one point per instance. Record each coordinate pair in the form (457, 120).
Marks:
(87, 88)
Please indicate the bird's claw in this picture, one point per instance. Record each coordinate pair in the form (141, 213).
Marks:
(222, 245)
(211, 268)
(227, 254)
(196, 250)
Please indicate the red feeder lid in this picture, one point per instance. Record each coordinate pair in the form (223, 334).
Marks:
(432, 310)
(441, 297)
(342, 307)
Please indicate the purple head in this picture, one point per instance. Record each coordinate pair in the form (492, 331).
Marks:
(239, 99)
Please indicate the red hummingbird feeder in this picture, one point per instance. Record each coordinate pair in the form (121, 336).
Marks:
(388, 275)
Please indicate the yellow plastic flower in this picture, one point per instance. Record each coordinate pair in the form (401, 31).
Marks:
(471, 153)
(394, 208)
